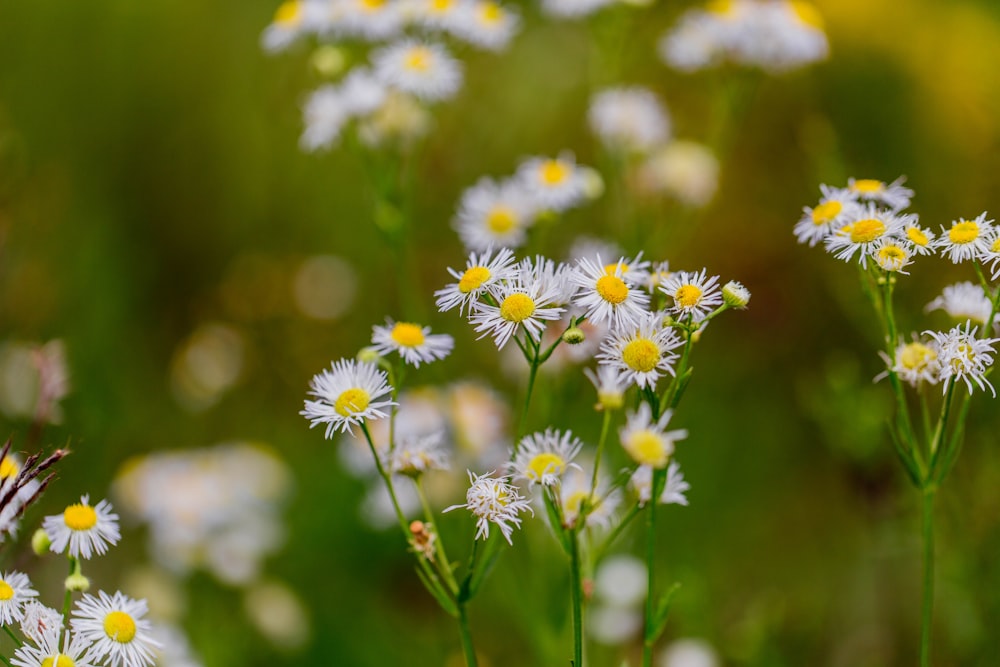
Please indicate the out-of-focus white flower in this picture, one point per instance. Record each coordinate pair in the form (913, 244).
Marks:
(556, 184)
(894, 195)
(573, 9)
(685, 170)
(278, 614)
(496, 215)
(648, 442)
(688, 653)
(621, 581)
(485, 24)
(629, 119)
(422, 69)
(413, 456)
(372, 20)
(641, 483)
(963, 301)
(401, 118)
(915, 363)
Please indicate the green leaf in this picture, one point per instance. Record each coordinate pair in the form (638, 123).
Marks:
(906, 459)
(433, 586)
(660, 615)
(556, 520)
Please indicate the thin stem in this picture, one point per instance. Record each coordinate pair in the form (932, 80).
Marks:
(647, 645)
(577, 594)
(6, 661)
(11, 635)
(387, 479)
(68, 598)
(463, 627)
(442, 562)
(605, 426)
(928, 591)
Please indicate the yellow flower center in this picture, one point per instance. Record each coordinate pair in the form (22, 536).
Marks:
(996, 245)
(289, 13)
(807, 13)
(687, 296)
(868, 186)
(352, 401)
(6, 592)
(612, 269)
(419, 59)
(721, 7)
(964, 232)
(120, 627)
(612, 289)
(80, 517)
(553, 172)
(916, 356)
(866, 231)
(648, 448)
(490, 12)
(574, 501)
(8, 468)
(826, 212)
(517, 307)
(891, 256)
(641, 355)
(372, 5)
(408, 335)
(501, 219)
(441, 6)
(473, 279)
(543, 463)
(59, 661)
(917, 236)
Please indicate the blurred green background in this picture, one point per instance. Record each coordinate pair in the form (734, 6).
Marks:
(151, 183)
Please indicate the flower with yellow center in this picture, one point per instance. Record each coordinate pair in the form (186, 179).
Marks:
(414, 343)
(963, 301)
(15, 591)
(414, 455)
(494, 500)
(607, 296)
(964, 356)
(493, 215)
(829, 215)
(542, 458)
(601, 503)
(641, 484)
(648, 442)
(557, 184)
(893, 195)
(83, 530)
(694, 294)
(483, 23)
(523, 302)
(422, 69)
(117, 627)
(56, 648)
(641, 353)
(351, 392)
(865, 230)
(483, 274)
(892, 255)
(967, 239)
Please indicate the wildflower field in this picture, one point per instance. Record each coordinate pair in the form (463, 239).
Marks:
(499, 332)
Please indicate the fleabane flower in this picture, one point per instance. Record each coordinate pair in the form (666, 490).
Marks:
(993, 256)
(347, 394)
(832, 212)
(422, 69)
(606, 296)
(486, 24)
(542, 458)
(642, 353)
(371, 20)
(414, 455)
(521, 302)
(114, 624)
(694, 294)
(863, 231)
(492, 214)
(575, 489)
(484, 273)
(641, 483)
(494, 500)
(966, 239)
(15, 591)
(893, 195)
(965, 357)
(573, 9)
(611, 383)
(414, 343)
(963, 301)
(436, 14)
(288, 24)
(915, 363)
(628, 119)
(39, 621)
(649, 443)
(74, 651)
(920, 239)
(83, 530)
(892, 255)
(556, 184)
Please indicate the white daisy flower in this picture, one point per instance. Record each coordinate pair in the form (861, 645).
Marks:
(629, 119)
(573, 9)
(347, 394)
(657, 274)
(605, 296)
(414, 455)
(611, 384)
(522, 301)
(495, 214)
(494, 500)
(414, 343)
(115, 625)
(422, 69)
(83, 530)
(963, 301)
(362, 92)
(556, 184)
(892, 254)
(642, 353)
(693, 294)
(486, 24)
(635, 270)
(863, 230)
(964, 357)
(552, 276)
(649, 443)
(993, 255)
(325, 115)
(285, 28)
(698, 40)
(684, 170)
(920, 239)
(893, 195)
(915, 363)
(781, 35)
(542, 458)
(483, 274)
(641, 483)
(15, 591)
(75, 651)
(372, 20)
(967, 239)
(575, 488)
(835, 208)
(436, 14)
(39, 621)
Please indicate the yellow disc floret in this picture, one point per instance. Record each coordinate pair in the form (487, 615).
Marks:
(826, 212)
(687, 296)
(60, 660)
(517, 307)
(867, 230)
(807, 14)
(8, 468)
(641, 355)
(916, 356)
(120, 627)
(80, 517)
(553, 172)
(490, 12)
(352, 401)
(868, 186)
(891, 257)
(6, 592)
(407, 335)
(501, 220)
(289, 13)
(648, 448)
(964, 231)
(473, 279)
(917, 236)
(544, 463)
(612, 289)
(418, 59)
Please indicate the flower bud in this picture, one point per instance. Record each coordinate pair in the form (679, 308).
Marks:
(40, 542)
(369, 355)
(77, 583)
(574, 336)
(735, 295)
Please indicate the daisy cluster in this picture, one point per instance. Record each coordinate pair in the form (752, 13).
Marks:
(216, 508)
(866, 223)
(774, 35)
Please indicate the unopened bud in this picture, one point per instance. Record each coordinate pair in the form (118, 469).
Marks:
(40, 542)
(328, 61)
(593, 183)
(77, 583)
(369, 355)
(610, 400)
(574, 336)
(735, 295)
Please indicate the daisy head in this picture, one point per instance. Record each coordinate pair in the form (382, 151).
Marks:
(606, 296)
(601, 504)
(116, 627)
(916, 362)
(628, 119)
(484, 272)
(965, 357)
(542, 458)
(642, 353)
(892, 255)
(414, 343)
(641, 483)
(893, 195)
(556, 184)
(966, 239)
(38, 621)
(611, 383)
(963, 301)
(494, 500)
(486, 24)
(522, 302)
(414, 455)
(47, 651)
(493, 214)
(15, 591)
(83, 530)
(694, 295)
(865, 228)
(830, 214)
(422, 69)
(349, 393)
(993, 256)
(371, 20)
(648, 442)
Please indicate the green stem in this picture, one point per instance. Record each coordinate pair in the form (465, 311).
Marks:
(388, 481)
(12, 636)
(6, 661)
(68, 598)
(618, 530)
(928, 591)
(605, 426)
(463, 628)
(577, 594)
(442, 562)
(648, 638)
